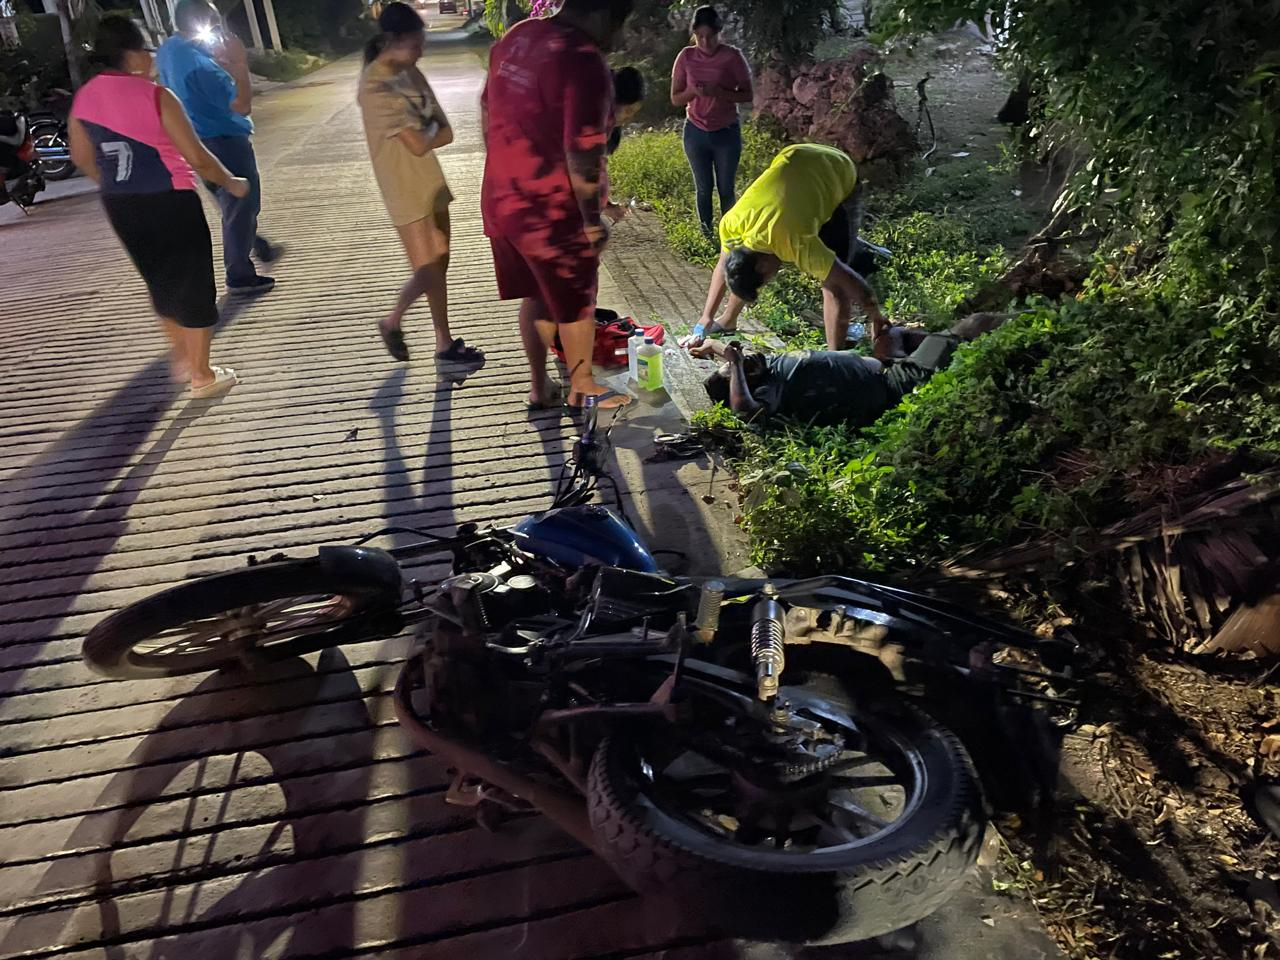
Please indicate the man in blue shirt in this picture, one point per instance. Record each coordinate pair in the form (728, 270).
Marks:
(208, 69)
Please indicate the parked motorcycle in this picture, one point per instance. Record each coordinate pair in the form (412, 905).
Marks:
(744, 748)
(20, 176)
(53, 147)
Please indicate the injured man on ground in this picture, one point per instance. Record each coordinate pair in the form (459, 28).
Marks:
(826, 387)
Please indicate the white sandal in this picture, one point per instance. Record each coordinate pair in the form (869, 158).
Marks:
(224, 378)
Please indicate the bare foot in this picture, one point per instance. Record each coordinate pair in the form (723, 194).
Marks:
(607, 399)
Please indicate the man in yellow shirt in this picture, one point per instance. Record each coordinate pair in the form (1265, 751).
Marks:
(804, 210)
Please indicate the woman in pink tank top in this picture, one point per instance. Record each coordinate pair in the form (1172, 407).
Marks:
(709, 79)
(133, 137)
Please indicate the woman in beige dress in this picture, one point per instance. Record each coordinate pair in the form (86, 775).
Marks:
(404, 125)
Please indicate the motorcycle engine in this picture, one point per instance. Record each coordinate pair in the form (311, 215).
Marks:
(487, 602)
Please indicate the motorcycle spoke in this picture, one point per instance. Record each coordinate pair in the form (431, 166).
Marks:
(843, 833)
(857, 811)
(866, 760)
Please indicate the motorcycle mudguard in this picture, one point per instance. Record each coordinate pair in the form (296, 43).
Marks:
(577, 536)
(365, 568)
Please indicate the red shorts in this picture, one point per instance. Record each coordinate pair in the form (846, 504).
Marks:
(561, 275)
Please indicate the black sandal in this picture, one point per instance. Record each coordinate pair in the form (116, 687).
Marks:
(459, 352)
(394, 340)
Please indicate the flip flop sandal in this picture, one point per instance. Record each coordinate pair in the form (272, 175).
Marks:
(676, 446)
(394, 340)
(554, 401)
(459, 352)
(224, 378)
(607, 395)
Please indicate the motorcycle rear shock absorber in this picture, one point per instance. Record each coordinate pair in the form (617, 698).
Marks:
(768, 635)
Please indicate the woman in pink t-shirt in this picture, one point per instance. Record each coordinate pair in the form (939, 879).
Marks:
(709, 80)
(133, 138)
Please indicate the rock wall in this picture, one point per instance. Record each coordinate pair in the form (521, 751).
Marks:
(847, 103)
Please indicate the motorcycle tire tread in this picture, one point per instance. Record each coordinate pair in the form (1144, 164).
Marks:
(107, 646)
(870, 899)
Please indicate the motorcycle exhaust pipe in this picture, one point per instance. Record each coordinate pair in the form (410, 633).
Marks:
(54, 153)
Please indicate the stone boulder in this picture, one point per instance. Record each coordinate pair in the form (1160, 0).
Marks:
(847, 103)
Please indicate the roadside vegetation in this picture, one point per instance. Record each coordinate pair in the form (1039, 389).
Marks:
(1061, 420)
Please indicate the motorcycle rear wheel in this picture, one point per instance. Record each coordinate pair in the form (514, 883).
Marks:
(269, 611)
(760, 890)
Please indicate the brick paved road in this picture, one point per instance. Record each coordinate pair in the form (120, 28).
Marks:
(218, 817)
(213, 816)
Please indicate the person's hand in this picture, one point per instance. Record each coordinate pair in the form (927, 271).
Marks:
(887, 346)
(597, 235)
(733, 352)
(238, 187)
(232, 53)
(706, 89)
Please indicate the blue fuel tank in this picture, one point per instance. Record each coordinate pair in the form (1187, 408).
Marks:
(576, 536)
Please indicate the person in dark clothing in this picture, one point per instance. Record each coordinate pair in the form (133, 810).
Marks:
(828, 387)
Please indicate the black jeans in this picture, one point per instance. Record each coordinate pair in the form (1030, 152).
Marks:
(713, 157)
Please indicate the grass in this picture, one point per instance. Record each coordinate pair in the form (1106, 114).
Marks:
(1047, 425)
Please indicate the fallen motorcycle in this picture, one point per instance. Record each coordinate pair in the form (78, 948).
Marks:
(740, 747)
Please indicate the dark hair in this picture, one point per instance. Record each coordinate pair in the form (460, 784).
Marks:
(628, 86)
(396, 20)
(189, 14)
(706, 16)
(717, 387)
(116, 36)
(742, 273)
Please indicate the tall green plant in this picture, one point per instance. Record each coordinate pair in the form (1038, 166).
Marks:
(1176, 102)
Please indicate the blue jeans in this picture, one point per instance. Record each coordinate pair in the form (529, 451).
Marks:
(713, 157)
(239, 215)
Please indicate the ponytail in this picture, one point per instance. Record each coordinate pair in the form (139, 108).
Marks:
(374, 48)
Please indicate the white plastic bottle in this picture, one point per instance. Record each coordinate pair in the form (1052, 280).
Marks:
(649, 366)
(634, 343)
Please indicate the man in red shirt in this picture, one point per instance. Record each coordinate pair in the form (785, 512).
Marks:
(547, 112)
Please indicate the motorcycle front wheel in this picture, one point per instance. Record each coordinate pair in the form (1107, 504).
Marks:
(54, 169)
(271, 611)
(876, 841)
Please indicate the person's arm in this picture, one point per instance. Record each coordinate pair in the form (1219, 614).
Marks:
(235, 60)
(437, 134)
(854, 210)
(850, 287)
(178, 126)
(716, 294)
(682, 91)
(586, 133)
(83, 154)
(737, 88)
(740, 399)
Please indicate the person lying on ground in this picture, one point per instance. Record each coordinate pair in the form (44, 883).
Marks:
(805, 210)
(828, 388)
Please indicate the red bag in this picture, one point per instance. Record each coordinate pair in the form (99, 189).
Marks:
(612, 334)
